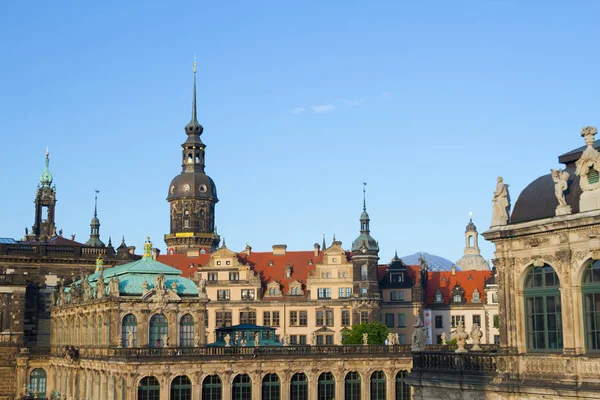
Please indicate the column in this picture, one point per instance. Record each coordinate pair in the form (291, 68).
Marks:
(313, 382)
(284, 379)
(164, 385)
(111, 387)
(226, 382)
(131, 389)
(89, 390)
(339, 384)
(119, 384)
(103, 386)
(390, 384)
(365, 384)
(82, 384)
(256, 384)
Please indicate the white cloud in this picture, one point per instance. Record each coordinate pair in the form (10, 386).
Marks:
(298, 110)
(354, 103)
(322, 108)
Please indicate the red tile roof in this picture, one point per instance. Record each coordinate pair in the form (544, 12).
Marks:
(259, 262)
(445, 281)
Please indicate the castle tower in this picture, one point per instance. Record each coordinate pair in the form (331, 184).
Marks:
(45, 202)
(94, 240)
(192, 196)
(472, 259)
(365, 257)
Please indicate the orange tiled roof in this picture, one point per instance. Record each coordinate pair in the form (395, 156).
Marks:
(445, 281)
(259, 262)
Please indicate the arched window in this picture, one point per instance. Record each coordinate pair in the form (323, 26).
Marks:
(212, 388)
(271, 387)
(364, 272)
(402, 388)
(159, 326)
(378, 386)
(242, 387)
(129, 325)
(149, 389)
(181, 388)
(590, 287)
(326, 386)
(299, 387)
(352, 386)
(186, 331)
(543, 313)
(37, 382)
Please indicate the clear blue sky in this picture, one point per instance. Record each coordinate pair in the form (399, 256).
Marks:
(301, 101)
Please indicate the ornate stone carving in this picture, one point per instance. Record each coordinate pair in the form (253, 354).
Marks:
(535, 241)
(476, 336)
(501, 204)
(418, 336)
(461, 336)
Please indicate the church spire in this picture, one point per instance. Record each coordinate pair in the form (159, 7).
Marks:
(194, 128)
(46, 177)
(364, 217)
(94, 240)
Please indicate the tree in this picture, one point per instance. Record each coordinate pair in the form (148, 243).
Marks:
(376, 330)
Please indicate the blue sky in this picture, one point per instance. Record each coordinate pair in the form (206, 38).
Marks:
(301, 102)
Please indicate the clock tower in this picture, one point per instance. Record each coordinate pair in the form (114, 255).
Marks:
(192, 196)
(365, 257)
(45, 203)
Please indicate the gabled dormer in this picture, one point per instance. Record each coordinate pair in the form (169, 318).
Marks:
(458, 295)
(273, 289)
(439, 298)
(295, 289)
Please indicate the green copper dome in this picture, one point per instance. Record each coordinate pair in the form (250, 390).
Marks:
(46, 177)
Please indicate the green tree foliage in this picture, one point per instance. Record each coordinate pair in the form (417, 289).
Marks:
(376, 330)
(496, 321)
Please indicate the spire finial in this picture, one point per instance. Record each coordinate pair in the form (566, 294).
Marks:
(148, 248)
(324, 245)
(364, 196)
(96, 203)
(470, 216)
(194, 98)
(194, 63)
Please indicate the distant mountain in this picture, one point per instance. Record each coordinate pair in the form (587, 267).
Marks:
(436, 263)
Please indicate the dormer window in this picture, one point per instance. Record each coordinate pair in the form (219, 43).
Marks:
(288, 271)
(438, 296)
(334, 259)
(218, 262)
(227, 262)
(397, 278)
(457, 298)
(271, 263)
(476, 298)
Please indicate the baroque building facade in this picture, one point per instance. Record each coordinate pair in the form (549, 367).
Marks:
(548, 281)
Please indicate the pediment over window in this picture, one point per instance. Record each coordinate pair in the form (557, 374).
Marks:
(295, 289)
(273, 289)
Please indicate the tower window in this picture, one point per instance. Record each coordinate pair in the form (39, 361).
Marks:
(470, 241)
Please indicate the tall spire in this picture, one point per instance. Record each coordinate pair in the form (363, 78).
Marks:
(194, 127)
(46, 177)
(364, 196)
(96, 203)
(364, 217)
(94, 240)
(324, 245)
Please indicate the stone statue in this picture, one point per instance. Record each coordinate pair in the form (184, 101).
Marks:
(100, 287)
(390, 339)
(227, 340)
(313, 339)
(61, 297)
(286, 339)
(561, 183)
(365, 338)
(501, 204)
(396, 338)
(114, 286)
(444, 338)
(202, 288)
(341, 337)
(130, 338)
(257, 339)
(476, 336)
(243, 342)
(159, 282)
(461, 337)
(144, 287)
(87, 288)
(165, 339)
(197, 340)
(26, 231)
(174, 286)
(418, 336)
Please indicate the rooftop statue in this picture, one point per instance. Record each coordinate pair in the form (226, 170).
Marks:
(501, 204)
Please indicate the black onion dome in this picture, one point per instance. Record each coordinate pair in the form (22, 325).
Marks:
(538, 201)
(192, 184)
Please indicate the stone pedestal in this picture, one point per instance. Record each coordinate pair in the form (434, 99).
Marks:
(563, 210)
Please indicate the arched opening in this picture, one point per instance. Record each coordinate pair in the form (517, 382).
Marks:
(470, 241)
(271, 387)
(326, 386)
(129, 331)
(181, 388)
(402, 388)
(37, 382)
(149, 389)
(186, 331)
(590, 287)
(299, 387)
(159, 327)
(242, 387)
(212, 388)
(543, 313)
(378, 386)
(352, 386)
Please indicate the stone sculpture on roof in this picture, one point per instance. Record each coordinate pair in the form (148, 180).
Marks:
(588, 169)
(561, 183)
(501, 203)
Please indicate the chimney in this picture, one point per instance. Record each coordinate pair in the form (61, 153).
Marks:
(279, 249)
(248, 249)
(131, 250)
(317, 249)
(453, 270)
(155, 253)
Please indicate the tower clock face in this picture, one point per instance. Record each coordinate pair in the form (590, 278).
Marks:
(186, 188)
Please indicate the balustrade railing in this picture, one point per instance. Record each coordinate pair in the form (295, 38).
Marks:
(451, 362)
